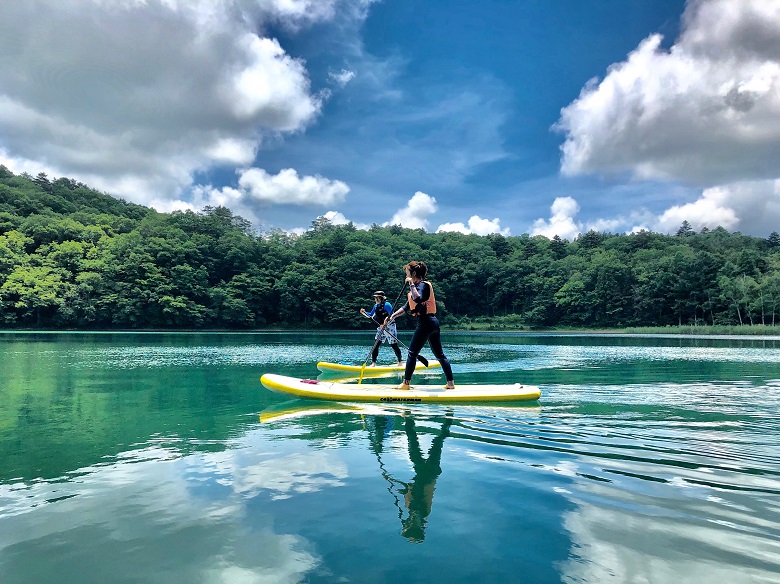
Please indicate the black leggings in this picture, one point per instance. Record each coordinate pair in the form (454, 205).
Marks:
(394, 346)
(427, 330)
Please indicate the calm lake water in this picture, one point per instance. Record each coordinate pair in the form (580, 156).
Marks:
(161, 458)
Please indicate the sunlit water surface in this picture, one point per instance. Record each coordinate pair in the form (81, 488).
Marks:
(160, 458)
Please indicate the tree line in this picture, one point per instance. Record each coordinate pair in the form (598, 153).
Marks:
(73, 257)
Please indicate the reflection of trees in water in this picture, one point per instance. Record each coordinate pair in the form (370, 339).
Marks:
(417, 494)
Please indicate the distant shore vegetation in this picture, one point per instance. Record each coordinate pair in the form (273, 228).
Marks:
(73, 258)
(513, 325)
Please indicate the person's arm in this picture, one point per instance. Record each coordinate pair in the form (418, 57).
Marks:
(401, 310)
(426, 292)
(413, 290)
(398, 313)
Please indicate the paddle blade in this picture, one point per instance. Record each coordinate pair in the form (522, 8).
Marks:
(422, 360)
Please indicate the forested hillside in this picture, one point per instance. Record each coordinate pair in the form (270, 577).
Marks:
(72, 257)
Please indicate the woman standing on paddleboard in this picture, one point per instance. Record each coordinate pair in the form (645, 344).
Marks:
(387, 334)
(421, 302)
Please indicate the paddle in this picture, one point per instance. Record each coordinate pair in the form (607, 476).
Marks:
(420, 358)
(397, 298)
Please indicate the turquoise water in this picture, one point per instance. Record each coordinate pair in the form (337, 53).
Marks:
(160, 458)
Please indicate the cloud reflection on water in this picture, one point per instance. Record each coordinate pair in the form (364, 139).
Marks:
(158, 516)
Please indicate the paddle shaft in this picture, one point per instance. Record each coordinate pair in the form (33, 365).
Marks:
(420, 358)
(397, 298)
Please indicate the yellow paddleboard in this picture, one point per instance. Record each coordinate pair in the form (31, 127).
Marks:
(325, 367)
(372, 392)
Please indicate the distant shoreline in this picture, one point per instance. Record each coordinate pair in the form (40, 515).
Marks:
(747, 330)
(744, 330)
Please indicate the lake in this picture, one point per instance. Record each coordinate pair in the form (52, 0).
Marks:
(159, 457)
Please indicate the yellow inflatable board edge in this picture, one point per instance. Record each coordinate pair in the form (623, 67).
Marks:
(325, 366)
(388, 394)
(348, 376)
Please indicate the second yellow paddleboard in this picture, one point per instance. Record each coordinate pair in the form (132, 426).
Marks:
(325, 366)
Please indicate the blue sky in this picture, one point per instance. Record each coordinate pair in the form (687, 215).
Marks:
(541, 116)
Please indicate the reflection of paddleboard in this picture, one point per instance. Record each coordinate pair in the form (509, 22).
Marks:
(312, 409)
(325, 366)
(303, 408)
(331, 390)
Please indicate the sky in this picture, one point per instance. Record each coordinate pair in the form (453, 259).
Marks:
(545, 117)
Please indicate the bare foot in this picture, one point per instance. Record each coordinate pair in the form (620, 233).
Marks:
(450, 385)
(405, 386)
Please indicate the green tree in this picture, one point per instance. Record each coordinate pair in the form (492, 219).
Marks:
(32, 294)
(684, 230)
(13, 252)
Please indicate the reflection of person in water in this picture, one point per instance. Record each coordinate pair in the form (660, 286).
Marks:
(418, 494)
(379, 428)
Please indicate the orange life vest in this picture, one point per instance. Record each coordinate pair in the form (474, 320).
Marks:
(427, 307)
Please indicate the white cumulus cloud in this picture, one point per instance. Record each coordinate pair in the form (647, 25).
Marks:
(477, 225)
(706, 211)
(289, 188)
(338, 218)
(755, 204)
(134, 97)
(257, 189)
(706, 111)
(416, 213)
(561, 222)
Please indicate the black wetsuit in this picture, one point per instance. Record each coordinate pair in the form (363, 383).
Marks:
(427, 330)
